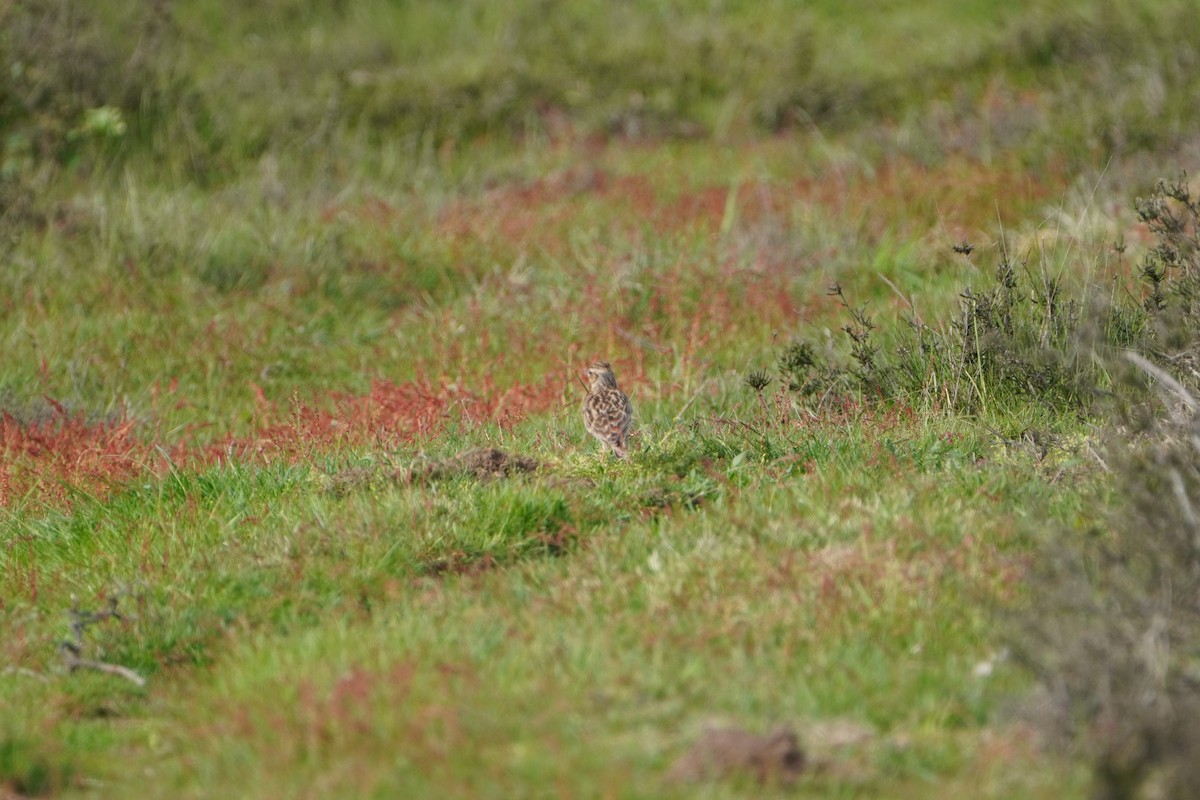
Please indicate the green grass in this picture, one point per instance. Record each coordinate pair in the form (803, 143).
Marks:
(338, 246)
(571, 625)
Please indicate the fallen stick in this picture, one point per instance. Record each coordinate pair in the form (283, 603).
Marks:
(71, 658)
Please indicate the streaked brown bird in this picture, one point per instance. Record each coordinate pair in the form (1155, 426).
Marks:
(607, 412)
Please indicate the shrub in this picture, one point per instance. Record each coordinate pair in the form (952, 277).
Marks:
(1016, 338)
(1027, 332)
(1172, 273)
(1112, 628)
(1112, 625)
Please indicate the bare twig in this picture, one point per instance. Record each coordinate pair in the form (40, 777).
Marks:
(737, 423)
(82, 619)
(72, 659)
(71, 650)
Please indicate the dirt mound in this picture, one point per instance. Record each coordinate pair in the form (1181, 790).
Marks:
(483, 463)
(774, 758)
(487, 462)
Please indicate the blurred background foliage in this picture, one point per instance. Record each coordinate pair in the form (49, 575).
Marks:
(203, 86)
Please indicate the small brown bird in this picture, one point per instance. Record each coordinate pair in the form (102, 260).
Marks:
(607, 413)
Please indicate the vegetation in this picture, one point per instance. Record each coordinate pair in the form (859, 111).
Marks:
(296, 499)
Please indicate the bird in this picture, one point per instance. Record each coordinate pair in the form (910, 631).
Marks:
(607, 412)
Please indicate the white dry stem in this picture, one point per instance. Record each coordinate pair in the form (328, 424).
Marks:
(74, 662)
(692, 399)
(1096, 455)
(642, 341)
(1163, 377)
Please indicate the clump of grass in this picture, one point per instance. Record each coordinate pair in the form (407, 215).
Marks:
(78, 74)
(1019, 337)
(236, 260)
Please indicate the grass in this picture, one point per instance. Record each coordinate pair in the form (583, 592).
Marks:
(868, 610)
(251, 331)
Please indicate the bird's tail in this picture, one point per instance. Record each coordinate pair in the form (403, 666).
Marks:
(620, 446)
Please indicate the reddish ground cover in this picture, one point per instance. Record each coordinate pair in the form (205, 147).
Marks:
(960, 195)
(389, 415)
(53, 460)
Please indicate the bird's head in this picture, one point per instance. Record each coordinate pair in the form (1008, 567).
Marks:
(600, 374)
